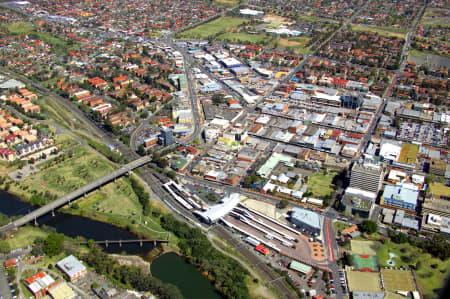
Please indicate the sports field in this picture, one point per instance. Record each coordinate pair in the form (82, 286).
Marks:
(364, 247)
(363, 281)
(365, 262)
(397, 280)
(203, 31)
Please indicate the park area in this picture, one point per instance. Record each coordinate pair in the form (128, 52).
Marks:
(385, 31)
(203, 31)
(321, 185)
(63, 174)
(398, 280)
(294, 44)
(363, 281)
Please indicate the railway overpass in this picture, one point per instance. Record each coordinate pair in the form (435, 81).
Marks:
(50, 207)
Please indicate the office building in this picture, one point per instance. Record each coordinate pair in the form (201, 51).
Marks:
(400, 196)
(366, 177)
(167, 137)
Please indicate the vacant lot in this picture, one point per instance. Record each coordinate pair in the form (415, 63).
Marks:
(386, 31)
(321, 184)
(211, 28)
(363, 281)
(398, 280)
(364, 247)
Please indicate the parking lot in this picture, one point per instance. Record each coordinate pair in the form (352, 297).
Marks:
(425, 133)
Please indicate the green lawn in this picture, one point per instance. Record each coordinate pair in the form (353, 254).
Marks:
(25, 236)
(428, 278)
(211, 28)
(386, 31)
(65, 142)
(27, 28)
(321, 184)
(84, 167)
(227, 3)
(244, 38)
(339, 226)
(295, 44)
(20, 28)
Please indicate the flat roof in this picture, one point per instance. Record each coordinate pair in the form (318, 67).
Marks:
(71, 265)
(306, 216)
(400, 193)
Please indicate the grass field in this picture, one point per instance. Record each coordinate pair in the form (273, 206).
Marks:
(84, 167)
(386, 31)
(363, 281)
(25, 236)
(397, 280)
(211, 28)
(428, 278)
(242, 37)
(115, 198)
(27, 28)
(321, 184)
(364, 247)
(65, 142)
(226, 2)
(20, 28)
(295, 44)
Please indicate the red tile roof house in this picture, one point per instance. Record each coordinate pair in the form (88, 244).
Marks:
(7, 154)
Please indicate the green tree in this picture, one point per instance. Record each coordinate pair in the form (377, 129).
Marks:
(4, 246)
(53, 244)
(368, 226)
(283, 204)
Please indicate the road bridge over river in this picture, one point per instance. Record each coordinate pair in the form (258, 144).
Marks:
(50, 207)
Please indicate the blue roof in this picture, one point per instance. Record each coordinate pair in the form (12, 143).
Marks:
(401, 193)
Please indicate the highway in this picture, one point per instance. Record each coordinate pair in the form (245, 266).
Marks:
(75, 194)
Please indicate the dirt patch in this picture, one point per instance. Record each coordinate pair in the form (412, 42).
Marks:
(270, 18)
(132, 260)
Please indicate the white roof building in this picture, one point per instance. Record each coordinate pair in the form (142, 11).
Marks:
(218, 211)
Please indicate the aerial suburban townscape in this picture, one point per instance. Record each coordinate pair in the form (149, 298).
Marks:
(224, 149)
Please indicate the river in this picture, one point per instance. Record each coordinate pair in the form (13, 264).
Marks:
(173, 269)
(168, 267)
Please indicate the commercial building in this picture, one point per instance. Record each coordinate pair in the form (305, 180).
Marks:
(306, 219)
(400, 196)
(39, 284)
(357, 201)
(300, 267)
(366, 177)
(167, 137)
(62, 291)
(72, 267)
